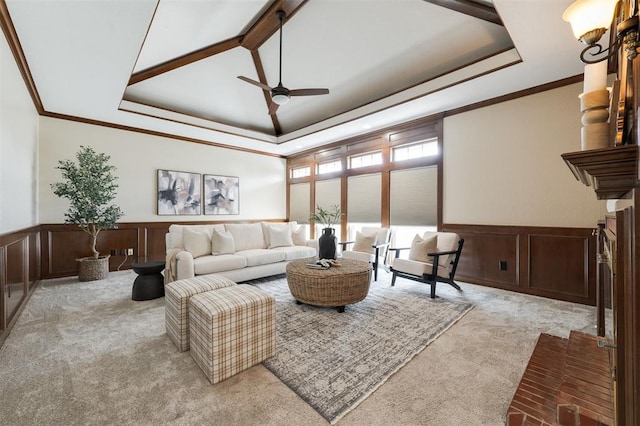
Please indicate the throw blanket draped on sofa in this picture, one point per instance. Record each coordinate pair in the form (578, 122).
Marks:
(170, 273)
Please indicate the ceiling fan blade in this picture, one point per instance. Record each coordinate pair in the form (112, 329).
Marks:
(255, 83)
(273, 107)
(308, 92)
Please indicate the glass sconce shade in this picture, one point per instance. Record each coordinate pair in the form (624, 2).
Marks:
(590, 19)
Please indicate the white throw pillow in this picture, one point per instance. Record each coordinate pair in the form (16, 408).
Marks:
(279, 236)
(299, 236)
(222, 243)
(364, 243)
(265, 230)
(197, 243)
(420, 247)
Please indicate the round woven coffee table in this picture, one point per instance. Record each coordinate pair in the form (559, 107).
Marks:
(337, 286)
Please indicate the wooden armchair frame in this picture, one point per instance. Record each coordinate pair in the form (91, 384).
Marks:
(433, 277)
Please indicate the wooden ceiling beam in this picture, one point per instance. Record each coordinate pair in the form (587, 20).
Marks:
(262, 77)
(259, 32)
(269, 23)
(471, 8)
(186, 59)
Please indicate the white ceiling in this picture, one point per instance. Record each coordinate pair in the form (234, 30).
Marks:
(384, 62)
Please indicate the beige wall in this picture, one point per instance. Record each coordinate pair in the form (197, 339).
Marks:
(18, 148)
(502, 164)
(137, 157)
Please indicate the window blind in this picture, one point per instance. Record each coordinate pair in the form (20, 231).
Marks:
(299, 202)
(414, 197)
(364, 196)
(328, 193)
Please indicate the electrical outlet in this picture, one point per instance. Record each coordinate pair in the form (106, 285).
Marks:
(114, 252)
(503, 265)
(130, 252)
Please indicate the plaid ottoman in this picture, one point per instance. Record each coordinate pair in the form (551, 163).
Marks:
(176, 309)
(231, 330)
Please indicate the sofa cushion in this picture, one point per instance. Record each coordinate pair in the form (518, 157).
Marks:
(279, 236)
(299, 236)
(447, 241)
(420, 247)
(358, 255)
(382, 234)
(197, 242)
(212, 264)
(296, 252)
(176, 233)
(247, 236)
(418, 268)
(222, 243)
(291, 226)
(364, 242)
(256, 257)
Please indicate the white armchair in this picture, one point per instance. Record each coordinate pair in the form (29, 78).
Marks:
(433, 257)
(370, 245)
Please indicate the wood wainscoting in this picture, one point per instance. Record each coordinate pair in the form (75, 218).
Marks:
(63, 244)
(557, 263)
(19, 274)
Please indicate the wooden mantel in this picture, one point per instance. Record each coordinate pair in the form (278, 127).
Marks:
(612, 172)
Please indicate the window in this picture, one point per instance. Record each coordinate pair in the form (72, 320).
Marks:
(413, 197)
(364, 160)
(364, 198)
(328, 193)
(329, 167)
(300, 172)
(416, 150)
(299, 202)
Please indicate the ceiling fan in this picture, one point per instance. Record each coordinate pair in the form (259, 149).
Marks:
(280, 95)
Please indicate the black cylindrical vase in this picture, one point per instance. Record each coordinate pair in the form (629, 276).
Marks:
(327, 244)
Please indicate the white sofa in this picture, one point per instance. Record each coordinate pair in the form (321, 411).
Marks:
(237, 251)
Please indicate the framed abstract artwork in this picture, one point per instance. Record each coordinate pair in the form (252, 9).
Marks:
(178, 193)
(221, 194)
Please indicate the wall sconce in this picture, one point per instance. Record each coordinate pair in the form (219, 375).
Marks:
(589, 21)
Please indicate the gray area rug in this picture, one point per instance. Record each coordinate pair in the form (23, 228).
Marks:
(335, 360)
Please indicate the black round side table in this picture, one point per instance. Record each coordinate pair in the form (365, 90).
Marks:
(150, 283)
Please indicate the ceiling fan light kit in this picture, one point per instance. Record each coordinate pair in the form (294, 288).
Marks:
(281, 95)
(280, 99)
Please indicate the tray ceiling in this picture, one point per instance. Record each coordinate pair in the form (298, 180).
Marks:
(171, 66)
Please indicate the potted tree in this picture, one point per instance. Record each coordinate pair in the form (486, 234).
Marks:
(328, 218)
(90, 186)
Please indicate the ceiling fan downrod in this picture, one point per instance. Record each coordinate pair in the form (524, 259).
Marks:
(279, 94)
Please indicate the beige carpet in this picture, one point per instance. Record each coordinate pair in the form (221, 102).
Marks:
(133, 374)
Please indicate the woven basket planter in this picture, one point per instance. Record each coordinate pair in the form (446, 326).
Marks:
(92, 269)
